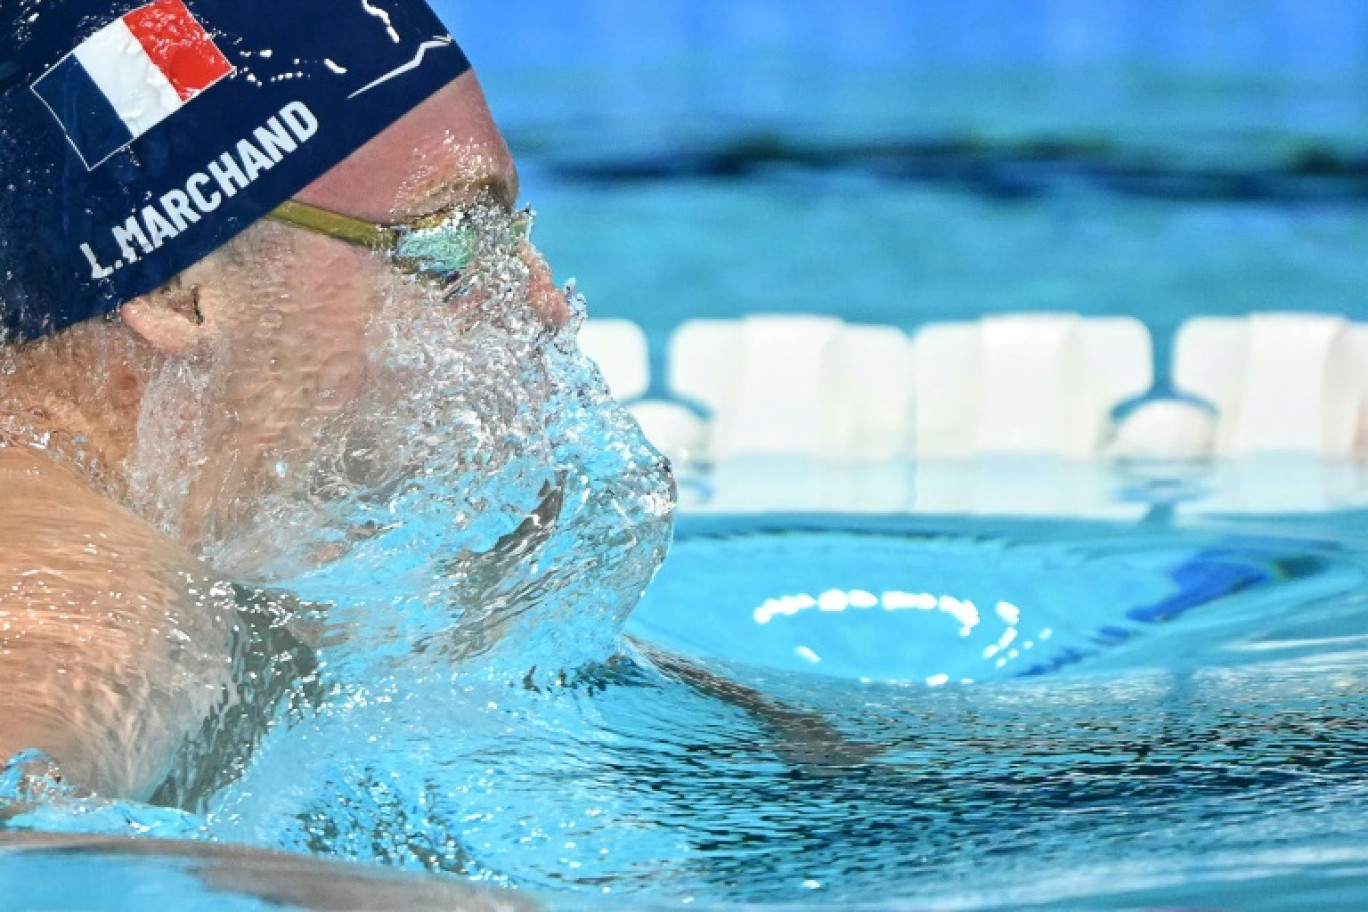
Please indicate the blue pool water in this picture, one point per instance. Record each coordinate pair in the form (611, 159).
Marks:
(974, 713)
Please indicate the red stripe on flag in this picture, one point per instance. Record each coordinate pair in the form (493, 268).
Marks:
(179, 46)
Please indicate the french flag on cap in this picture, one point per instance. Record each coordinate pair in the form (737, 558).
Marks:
(130, 76)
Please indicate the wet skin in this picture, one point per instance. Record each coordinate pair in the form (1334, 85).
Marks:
(113, 638)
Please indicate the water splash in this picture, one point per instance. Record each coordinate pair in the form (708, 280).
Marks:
(483, 488)
(481, 514)
(34, 797)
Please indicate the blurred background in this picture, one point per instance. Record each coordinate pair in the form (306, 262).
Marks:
(902, 161)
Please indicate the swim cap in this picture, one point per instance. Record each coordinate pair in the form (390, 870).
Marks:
(137, 137)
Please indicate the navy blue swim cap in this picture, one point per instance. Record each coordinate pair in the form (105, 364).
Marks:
(137, 137)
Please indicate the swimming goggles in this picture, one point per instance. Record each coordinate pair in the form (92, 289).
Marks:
(436, 246)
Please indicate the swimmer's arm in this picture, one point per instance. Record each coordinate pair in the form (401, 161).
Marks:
(109, 655)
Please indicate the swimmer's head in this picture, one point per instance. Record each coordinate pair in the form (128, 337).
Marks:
(269, 324)
(136, 138)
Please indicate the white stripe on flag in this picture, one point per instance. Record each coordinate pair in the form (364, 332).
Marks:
(138, 90)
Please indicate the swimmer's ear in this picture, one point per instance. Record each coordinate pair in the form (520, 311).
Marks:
(169, 319)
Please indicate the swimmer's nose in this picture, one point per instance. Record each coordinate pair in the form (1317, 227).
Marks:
(545, 296)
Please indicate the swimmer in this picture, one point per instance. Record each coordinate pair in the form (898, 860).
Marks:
(220, 189)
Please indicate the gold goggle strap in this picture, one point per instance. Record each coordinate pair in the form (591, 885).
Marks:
(342, 227)
(384, 238)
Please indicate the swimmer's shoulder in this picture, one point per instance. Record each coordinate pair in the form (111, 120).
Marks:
(56, 529)
(106, 645)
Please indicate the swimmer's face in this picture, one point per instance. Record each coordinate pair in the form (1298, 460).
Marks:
(279, 324)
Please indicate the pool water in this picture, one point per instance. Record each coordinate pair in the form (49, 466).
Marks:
(856, 712)
(992, 603)
(1180, 719)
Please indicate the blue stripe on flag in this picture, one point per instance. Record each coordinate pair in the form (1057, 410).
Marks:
(90, 121)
